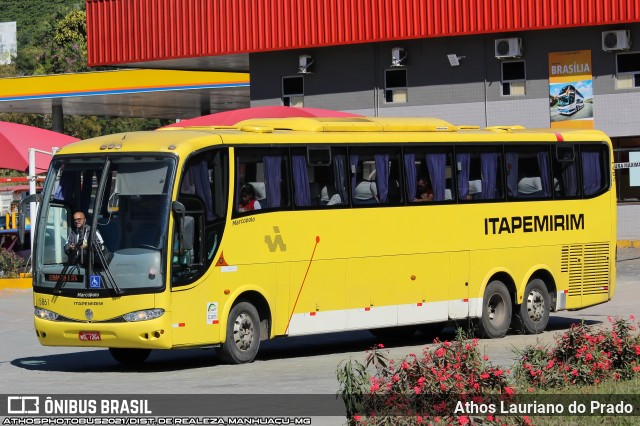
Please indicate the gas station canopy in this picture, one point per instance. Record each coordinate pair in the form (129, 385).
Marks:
(148, 93)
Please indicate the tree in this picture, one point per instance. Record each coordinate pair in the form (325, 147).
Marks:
(59, 45)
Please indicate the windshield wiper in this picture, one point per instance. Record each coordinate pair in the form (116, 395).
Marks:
(107, 273)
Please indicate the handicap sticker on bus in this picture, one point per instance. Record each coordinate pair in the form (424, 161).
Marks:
(94, 281)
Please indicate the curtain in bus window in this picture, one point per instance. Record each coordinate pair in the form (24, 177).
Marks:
(545, 180)
(339, 163)
(512, 173)
(301, 189)
(411, 175)
(591, 175)
(569, 179)
(489, 166)
(200, 175)
(382, 176)
(464, 165)
(353, 165)
(437, 163)
(69, 181)
(272, 177)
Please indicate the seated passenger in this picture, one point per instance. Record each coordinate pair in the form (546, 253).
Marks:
(366, 193)
(424, 191)
(530, 186)
(475, 187)
(248, 200)
(329, 196)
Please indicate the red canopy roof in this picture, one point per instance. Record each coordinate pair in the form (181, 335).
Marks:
(16, 139)
(230, 118)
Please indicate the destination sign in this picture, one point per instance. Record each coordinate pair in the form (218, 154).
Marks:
(69, 278)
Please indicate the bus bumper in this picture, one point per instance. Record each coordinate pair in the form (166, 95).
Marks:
(152, 334)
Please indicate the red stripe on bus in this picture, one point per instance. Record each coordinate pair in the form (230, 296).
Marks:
(559, 137)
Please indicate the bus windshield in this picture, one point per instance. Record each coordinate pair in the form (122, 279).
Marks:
(122, 242)
(566, 99)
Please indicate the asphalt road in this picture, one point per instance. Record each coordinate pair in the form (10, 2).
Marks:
(302, 365)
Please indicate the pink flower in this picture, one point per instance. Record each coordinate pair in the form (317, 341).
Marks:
(486, 358)
(380, 345)
(405, 365)
(463, 420)
(416, 389)
(508, 390)
(440, 352)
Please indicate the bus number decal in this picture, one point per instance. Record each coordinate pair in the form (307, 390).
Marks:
(275, 242)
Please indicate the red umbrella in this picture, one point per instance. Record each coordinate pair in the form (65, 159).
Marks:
(230, 118)
(16, 139)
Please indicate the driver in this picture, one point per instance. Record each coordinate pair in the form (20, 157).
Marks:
(76, 246)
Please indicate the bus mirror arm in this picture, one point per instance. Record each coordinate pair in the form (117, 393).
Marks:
(33, 198)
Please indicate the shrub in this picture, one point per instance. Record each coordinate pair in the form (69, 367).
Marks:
(10, 264)
(583, 355)
(424, 388)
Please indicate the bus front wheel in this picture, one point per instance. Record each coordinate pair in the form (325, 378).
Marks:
(130, 356)
(496, 311)
(532, 316)
(243, 335)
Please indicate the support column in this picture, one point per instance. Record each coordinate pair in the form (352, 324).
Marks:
(205, 104)
(57, 116)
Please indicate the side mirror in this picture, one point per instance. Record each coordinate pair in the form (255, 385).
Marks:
(186, 227)
(22, 213)
(178, 208)
(187, 231)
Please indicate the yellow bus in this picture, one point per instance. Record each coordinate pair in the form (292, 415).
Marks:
(223, 237)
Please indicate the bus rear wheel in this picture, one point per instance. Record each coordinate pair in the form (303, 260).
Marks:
(532, 316)
(496, 311)
(130, 356)
(243, 335)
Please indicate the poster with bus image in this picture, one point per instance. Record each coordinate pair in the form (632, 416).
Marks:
(570, 90)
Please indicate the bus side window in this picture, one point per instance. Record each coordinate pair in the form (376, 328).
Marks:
(320, 184)
(565, 172)
(480, 174)
(434, 166)
(375, 177)
(528, 172)
(266, 170)
(595, 178)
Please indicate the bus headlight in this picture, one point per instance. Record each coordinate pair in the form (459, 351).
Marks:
(45, 314)
(144, 315)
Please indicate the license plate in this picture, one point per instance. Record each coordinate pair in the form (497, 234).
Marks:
(89, 336)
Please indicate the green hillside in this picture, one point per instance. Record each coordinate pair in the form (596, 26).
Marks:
(34, 16)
